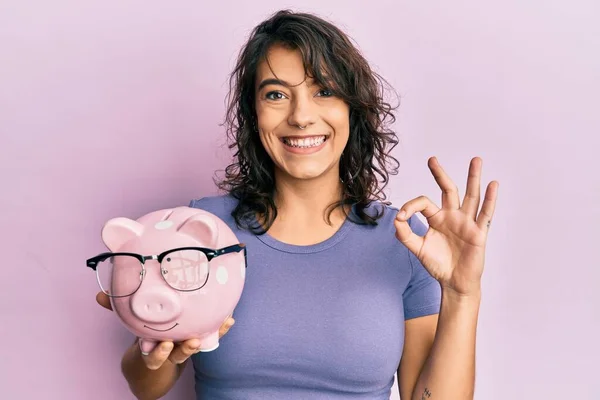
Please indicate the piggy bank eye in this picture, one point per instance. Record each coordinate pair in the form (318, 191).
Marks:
(186, 270)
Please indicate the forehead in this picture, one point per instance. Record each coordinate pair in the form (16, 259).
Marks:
(282, 63)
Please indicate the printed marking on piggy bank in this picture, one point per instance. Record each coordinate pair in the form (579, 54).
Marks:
(173, 274)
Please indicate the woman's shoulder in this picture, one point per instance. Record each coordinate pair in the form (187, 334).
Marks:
(220, 205)
(383, 213)
(387, 213)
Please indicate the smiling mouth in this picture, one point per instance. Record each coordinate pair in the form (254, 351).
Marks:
(161, 330)
(304, 142)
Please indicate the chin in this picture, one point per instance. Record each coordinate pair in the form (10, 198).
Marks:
(307, 171)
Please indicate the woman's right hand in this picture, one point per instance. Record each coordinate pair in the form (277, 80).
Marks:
(175, 353)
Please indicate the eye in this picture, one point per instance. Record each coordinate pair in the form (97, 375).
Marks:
(325, 93)
(274, 95)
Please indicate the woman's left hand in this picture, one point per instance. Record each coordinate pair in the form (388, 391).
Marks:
(453, 248)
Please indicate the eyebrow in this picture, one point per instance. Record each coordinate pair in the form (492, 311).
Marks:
(273, 81)
(280, 82)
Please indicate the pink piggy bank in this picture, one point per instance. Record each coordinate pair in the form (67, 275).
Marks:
(172, 274)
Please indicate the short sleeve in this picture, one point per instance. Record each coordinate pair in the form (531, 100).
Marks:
(423, 293)
(200, 203)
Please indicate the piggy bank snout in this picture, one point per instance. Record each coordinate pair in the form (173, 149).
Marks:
(157, 305)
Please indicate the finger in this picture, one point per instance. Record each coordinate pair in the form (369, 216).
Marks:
(158, 355)
(404, 233)
(473, 194)
(489, 205)
(226, 326)
(407, 237)
(184, 350)
(420, 204)
(450, 198)
(103, 300)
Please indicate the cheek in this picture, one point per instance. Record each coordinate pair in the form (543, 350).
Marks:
(264, 141)
(339, 119)
(269, 116)
(268, 142)
(268, 122)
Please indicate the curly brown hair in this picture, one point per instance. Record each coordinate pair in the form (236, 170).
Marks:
(366, 162)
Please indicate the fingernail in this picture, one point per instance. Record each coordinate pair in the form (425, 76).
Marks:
(166, 347)
(402, 214)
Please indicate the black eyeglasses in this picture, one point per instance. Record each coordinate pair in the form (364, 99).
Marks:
(185, 268)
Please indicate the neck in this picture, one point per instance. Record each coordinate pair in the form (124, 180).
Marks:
(307, 199)
(303, 208)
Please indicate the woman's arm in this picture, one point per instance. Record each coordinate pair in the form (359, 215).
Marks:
(419, 334)
(453, 252)
(449, 370)
(438, 361)
(151, 377)
(145, 383)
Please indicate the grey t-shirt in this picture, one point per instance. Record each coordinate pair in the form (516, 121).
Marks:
(324, 321)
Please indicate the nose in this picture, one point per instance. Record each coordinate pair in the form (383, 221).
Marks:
(156, 305)
(302, 112)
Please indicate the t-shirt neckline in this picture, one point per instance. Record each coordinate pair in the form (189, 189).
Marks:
(331, 241)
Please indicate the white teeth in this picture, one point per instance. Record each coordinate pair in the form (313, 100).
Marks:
(306, 142)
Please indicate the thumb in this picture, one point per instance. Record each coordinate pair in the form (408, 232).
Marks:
(406, 235)
(103, 300)
(226, 326)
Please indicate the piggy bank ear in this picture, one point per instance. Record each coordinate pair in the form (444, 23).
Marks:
(118, 231)
(201, 227)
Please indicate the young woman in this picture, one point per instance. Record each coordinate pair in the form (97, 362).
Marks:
(342, 290)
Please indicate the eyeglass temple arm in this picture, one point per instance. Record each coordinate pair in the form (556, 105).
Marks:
(234, 249)
(93, 262)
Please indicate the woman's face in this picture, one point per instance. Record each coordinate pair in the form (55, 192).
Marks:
(302, 126)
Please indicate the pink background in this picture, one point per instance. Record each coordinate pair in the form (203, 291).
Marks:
(112, 109)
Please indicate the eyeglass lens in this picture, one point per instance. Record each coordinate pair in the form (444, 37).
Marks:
(121, 275)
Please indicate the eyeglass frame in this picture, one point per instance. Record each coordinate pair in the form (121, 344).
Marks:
(209, 253)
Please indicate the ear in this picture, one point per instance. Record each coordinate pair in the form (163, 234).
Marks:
(118, 231)
(201, 227)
